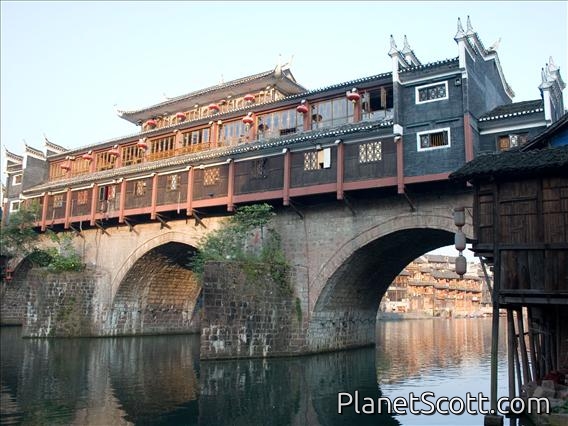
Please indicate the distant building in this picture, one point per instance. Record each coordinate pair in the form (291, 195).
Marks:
(430, 286)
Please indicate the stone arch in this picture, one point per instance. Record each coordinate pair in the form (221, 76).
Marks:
(158, 295)
(349, 286)
(145, 247)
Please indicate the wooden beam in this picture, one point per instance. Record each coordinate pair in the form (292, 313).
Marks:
(44, 212)
(154, 196)
(122, 201)
(189, 210)
(99, 225)
(340, 169)
(293, 206)
(287, 170)
(198, 220)
(94, 197)
(231, 187)
(163, 221)
(130, 223)
(67, 208)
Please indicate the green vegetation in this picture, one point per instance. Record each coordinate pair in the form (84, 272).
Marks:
(246, 238)
(20, 239)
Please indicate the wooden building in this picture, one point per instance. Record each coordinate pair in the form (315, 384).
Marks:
(520, 214)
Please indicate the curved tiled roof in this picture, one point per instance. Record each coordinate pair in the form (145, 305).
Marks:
(212, 154)
(513, 110)
(515, 163)
(431, 65)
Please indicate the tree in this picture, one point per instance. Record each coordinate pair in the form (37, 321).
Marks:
(18, 237)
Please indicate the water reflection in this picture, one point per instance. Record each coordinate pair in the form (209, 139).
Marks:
(159, 380)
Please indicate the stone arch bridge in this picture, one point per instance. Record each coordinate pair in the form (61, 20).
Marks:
(343, 256)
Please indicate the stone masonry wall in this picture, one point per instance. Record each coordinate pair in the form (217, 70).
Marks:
(247, 314)
(13, 296)
(59, 305)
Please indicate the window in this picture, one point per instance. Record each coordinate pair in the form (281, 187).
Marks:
(211, 176)
(15, 206)
(258, 168)
(233, 132)
(82, 197)
(139, 188)
(162, 148)
(57, 201)
(131, 155)
(316, 160)
(432, 92)
(370, 152)
(107, 192)
(280, 123)
(105, 161)
(172, 183)
(80, 166)
(433, 139)
(511, 141)
(332, 113)
(17, 179)
(192, 140)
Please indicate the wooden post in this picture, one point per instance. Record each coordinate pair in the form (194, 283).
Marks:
(122, 201)
(523, 346)
(231, 187)
(154, 196)
(532, 345)
(44, 212)
(94, 199)
(399, 164)
(67, 208)
(511, 349)
(287, 170)
(340, 169)
(189, 192)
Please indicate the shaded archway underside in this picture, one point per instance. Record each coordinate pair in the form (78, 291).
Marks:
(158, 295)
(345, 313)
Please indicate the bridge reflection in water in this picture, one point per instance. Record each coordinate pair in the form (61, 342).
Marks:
(159, 380)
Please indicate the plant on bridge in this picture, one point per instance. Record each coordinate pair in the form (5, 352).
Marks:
(243, 238)
(19, 239)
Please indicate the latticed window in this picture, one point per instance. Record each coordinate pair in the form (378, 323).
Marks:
(437, 139)
(55, 171)
(511, 141)
(311, 160)
(172, 183)
(163, 147)
(105, 160)
(80, 166)
(432, 92)
(82, 197)
(370, 152)
(211, 176)
(131, 155)
(258, 168)
(58, 201)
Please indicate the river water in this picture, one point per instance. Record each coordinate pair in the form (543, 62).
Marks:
(159, 380)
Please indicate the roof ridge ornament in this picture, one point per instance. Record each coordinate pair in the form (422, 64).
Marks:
(393, 48)
(495, 46)
(460, 33)
(406, 48)
(551, 65)
(469, 27)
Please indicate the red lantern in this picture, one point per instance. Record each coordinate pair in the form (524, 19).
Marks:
(249, 98)
(114, 152)
(181, 116)
(302, 108)
(141, 144)
(214, 108)
(248, 119)
(87, 156)
(353, 96)
(151, 123)
(66, 166)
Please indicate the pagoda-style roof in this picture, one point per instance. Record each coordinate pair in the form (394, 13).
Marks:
(515, 163)
(279, 77)
(513, 110)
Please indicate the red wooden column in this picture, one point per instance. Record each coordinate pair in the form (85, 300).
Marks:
(44, 212)
(94, 200)
(468, 138)
(357, 111)
(189, 192)
(154, 196)
(287, 170)
(340, 169)
(398, 140)
(122, 201)
(67, 209)
(231, 187)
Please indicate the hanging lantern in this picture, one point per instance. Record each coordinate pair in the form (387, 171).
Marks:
(461, 265)
(248, 119)
(249, 98)
(459, 216)
(459, 240)
(181, 116)
(214, 108)
(353, 96)
(302, 108)
(66, 166)
(151, 123)
(114, 152)
(87, 156)
(141, 144)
